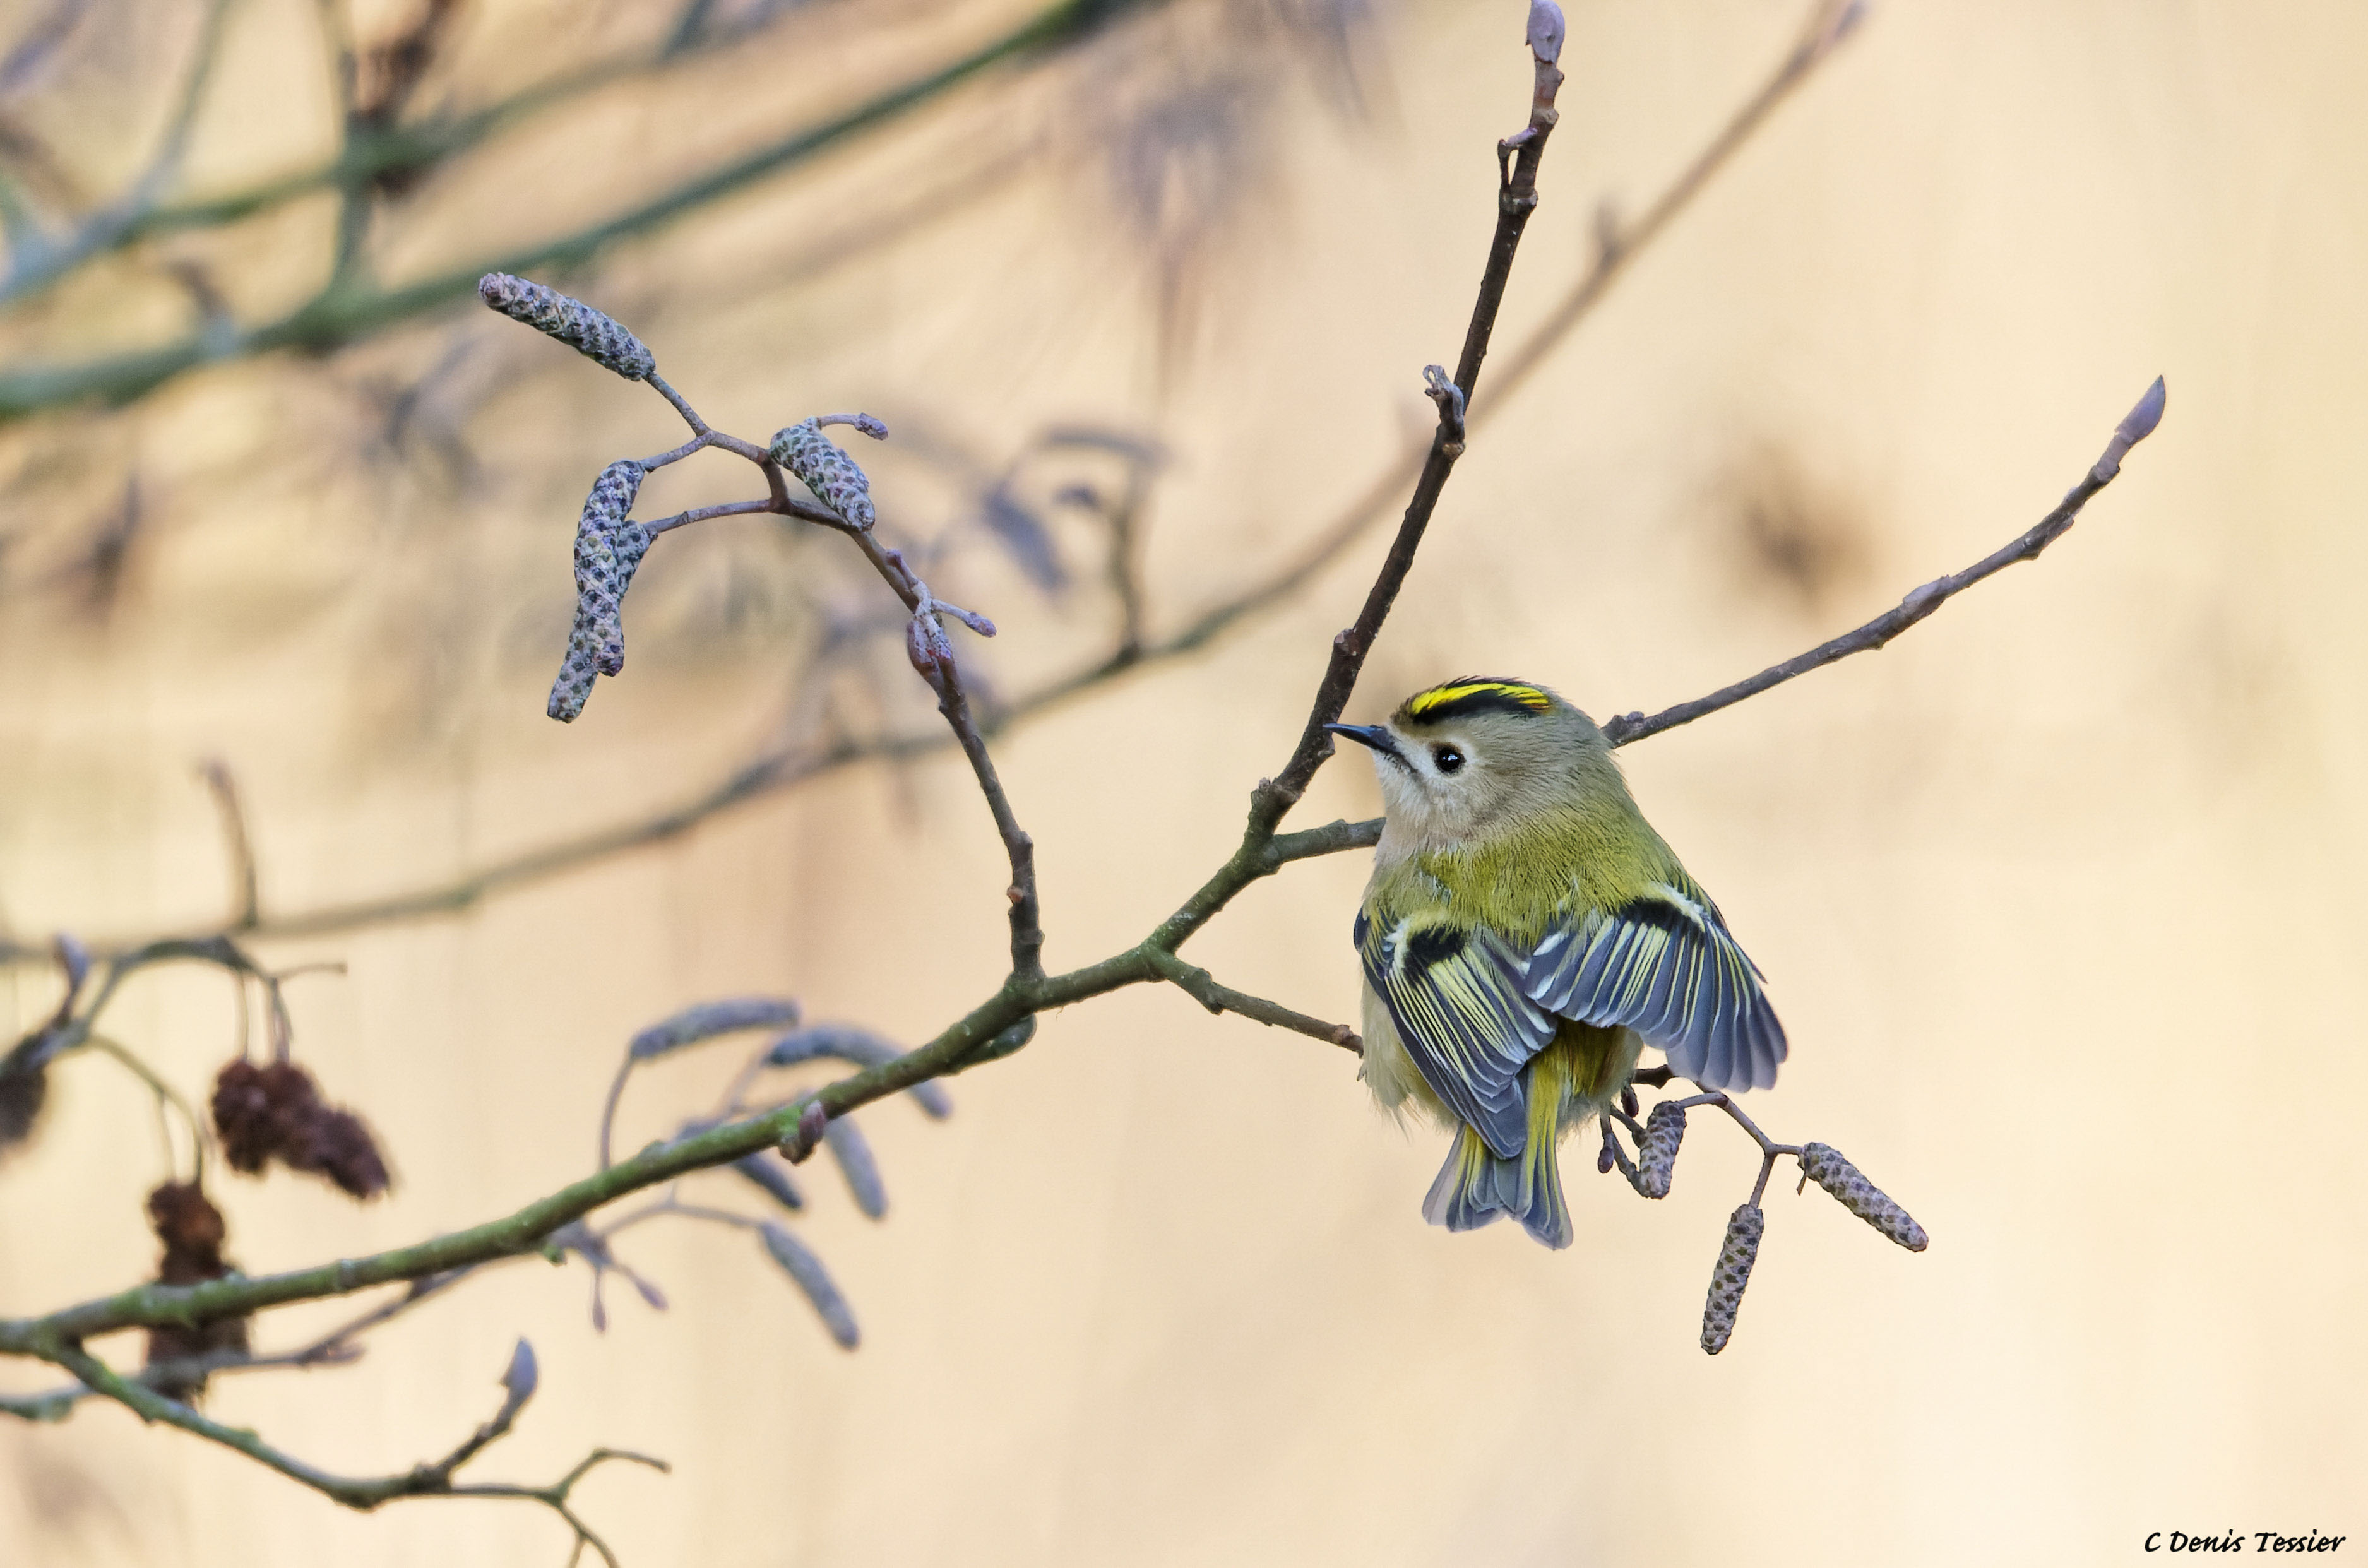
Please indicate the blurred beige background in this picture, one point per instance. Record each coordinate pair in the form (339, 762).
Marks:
(2057, 893)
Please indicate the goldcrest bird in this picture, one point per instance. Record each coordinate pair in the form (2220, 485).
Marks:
(1526, 934)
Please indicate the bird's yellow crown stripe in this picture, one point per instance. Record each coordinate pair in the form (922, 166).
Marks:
(1426, 702)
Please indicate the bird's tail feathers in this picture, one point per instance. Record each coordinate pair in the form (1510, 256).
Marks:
(1476, 1185)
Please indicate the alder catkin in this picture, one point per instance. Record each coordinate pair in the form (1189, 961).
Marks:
(853, 1153)
(1825, 1165)
(609, 550)
(1733, 1273)
(805, 1270)
(1657, 1156)
(834, 477)
(588, 332)
(705, 1020)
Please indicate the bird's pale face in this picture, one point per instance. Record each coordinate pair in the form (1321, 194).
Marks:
(1457, 757)
(1437, 781)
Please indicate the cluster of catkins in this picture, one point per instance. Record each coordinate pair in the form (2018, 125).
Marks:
(274, 1112)
(609, 544)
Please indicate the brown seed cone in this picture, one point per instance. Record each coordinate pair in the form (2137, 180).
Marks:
(23, 1091)
(574, 322)
(193, 1231)
(337, 1144)
(1825, 1165)
(276, 1112)
(1736, 1257)
(256, 1109)
(835, 478)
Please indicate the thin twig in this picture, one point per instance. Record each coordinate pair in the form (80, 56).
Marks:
(342, 310)
(360, 1493)
(2135, 427)
(786, 768)
(1021, 998)
(246, 910)
(1204, 988)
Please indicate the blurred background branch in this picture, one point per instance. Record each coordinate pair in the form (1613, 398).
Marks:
(820, 746)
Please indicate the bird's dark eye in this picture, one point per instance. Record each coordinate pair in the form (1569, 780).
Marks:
(1447, 759)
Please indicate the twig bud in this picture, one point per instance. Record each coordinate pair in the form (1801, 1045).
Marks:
(1736, 1257)
(609, 550)
(1656, 1156)
(574, 322)
(1546, 31)
(834, 477)
(799, 1144)
(930, 651)
(519, 1378)
(74, 958)
(2135, 426)
(798, 1261)
(1437, 386)
(1825, 1165)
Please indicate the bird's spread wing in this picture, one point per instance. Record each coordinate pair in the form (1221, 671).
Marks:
(1457, 999)
(1665, 965)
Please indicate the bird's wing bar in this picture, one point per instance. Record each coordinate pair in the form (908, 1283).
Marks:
(1666, 966)
(1457, 997)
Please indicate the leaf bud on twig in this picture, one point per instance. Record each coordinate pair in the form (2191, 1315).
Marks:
(574, 322)
(1736, 1257)
(519, 1378)
(929, 649)
(798, 1261)
(799, 1144)
(1546, 31)
(1825, 1165)
(835, 478)
(2135, 426)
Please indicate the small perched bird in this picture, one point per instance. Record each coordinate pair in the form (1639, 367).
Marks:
(1525, 935)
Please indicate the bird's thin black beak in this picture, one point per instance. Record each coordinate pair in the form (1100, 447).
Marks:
(1377, 736)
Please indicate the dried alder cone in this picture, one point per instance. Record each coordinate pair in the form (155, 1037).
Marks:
(23, 1091)
(276, 1112)
(193, 1231)
(573, 321)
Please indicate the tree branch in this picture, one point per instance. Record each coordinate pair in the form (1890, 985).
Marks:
(365, 1493)
(2135, 426)
(344, 309)
(1025, 992)
(788, 768)
(1204, 988)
